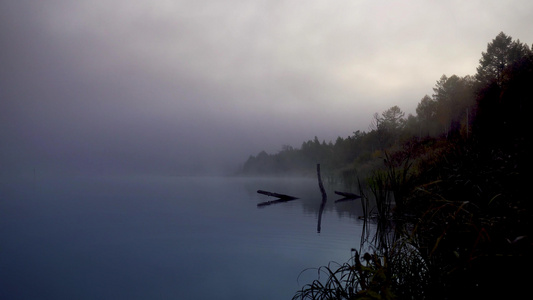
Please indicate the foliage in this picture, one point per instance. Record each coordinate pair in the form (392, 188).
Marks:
(501, 52)
(362, 278)
(492, 104)
(463, 232)
(426, 112)
(453, 97)
(461, 226)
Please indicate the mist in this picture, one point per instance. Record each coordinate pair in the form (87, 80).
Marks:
(186, 87)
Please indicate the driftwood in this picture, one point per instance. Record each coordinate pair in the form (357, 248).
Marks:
(324, 199)
(281, 198)
(347, 196)
(320, 185)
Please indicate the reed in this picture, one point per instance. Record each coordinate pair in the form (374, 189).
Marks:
(390, 267)
(362, 277)
(448, 224)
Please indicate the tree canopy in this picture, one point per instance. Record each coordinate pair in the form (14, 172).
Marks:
(501, 52)
(492, 101)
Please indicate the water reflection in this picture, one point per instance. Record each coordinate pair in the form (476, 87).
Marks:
(319, 226)
(346, 196)
(283, 198)
(166, 237)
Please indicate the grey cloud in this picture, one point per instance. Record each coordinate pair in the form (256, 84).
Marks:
(173, 85)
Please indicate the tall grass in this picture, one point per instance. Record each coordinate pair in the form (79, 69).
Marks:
(449, 223)
(360, 277)
(393, 270)
(388, 264)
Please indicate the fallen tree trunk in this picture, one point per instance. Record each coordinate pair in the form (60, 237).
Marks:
(280, 196)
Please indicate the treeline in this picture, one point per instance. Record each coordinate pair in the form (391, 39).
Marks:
(461, 223)
(487, 108)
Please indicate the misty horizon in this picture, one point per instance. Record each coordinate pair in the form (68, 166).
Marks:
(189, 88)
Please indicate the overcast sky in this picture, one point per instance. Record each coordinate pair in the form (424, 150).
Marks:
(142, 85)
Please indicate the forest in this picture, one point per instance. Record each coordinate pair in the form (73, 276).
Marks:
(485, 109)
(461, 223)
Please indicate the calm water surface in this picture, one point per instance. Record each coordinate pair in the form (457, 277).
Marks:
(167, 237)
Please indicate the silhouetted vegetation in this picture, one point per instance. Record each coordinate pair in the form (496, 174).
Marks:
(461, 223)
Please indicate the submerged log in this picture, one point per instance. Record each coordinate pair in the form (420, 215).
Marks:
(280, 196)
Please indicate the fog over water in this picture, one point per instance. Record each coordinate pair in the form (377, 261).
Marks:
(167, 237)
(180, 87)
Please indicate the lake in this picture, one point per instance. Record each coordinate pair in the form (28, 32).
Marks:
(149, 237)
